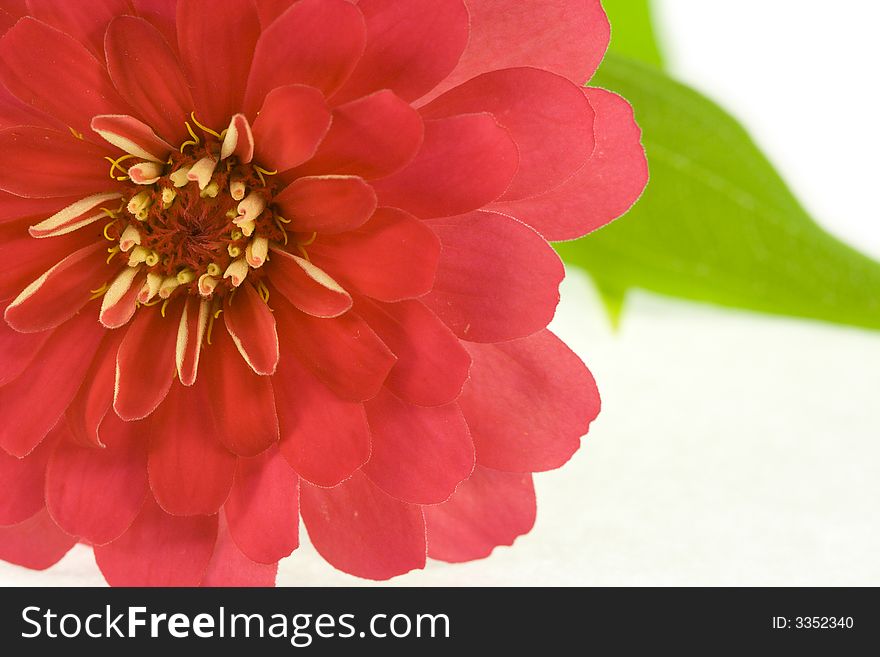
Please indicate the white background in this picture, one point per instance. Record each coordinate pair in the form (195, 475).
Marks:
(733, 448)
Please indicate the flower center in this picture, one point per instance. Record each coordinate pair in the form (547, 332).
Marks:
(197, 224)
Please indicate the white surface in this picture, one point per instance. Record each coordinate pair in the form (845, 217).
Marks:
(802, 76)
(732, 448)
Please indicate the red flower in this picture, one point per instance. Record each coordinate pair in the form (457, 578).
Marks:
(315, 282)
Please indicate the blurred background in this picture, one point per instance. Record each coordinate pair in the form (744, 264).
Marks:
(734, 448)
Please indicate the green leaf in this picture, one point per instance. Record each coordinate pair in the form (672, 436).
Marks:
(716, 222)
(632, 31)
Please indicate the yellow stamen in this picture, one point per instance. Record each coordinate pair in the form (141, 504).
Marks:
(168, 196)
(115, 164)
(214, 269)
(180, 177)
(210, 329)
(203, 127)
(263, 292)
(76, 133)
(310, 241)
(139, 205)
(164, 306)
(211, 191)
(192, 132)
(106, 226)
(283, 230)
(186, 276)
(112, 251)
(138, 255)
(99, 292)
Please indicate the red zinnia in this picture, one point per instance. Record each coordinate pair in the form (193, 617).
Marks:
(316, 280)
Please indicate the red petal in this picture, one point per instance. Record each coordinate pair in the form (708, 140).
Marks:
(13, 112)
(392, 257)
(239, 140)
(15, 8)
(242, 403)
(191, 473)
(36, 543)
(465, 162)
(230, 567)
(217, 40)
(35, 401)
(7, 20)
(411, 46)
(145, 364)
(281, 143)
(490, 509)
(22, 255)
(43, 162)
(60, 293)
(528, 402)
(30, 54)
(190, 334)
(498, 279)
(522, 100)
(327, 204)
(159, 550)
(605, 188)
(263, 508)
(73, 217)
(95, 396)
(315, 42)
(85, 21)
(14, 208)
(419, 454)
(120, 300)
(370, 137)
(432, 365)
(145, 71)
(132, 135)
(17, 351)
(162, 14)
(362, 531)
(569, 38)
(24, 481)
(324, 438)
(80, 481)
(308, 287)
(271, 9)
(251, 324)
(343, 352)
